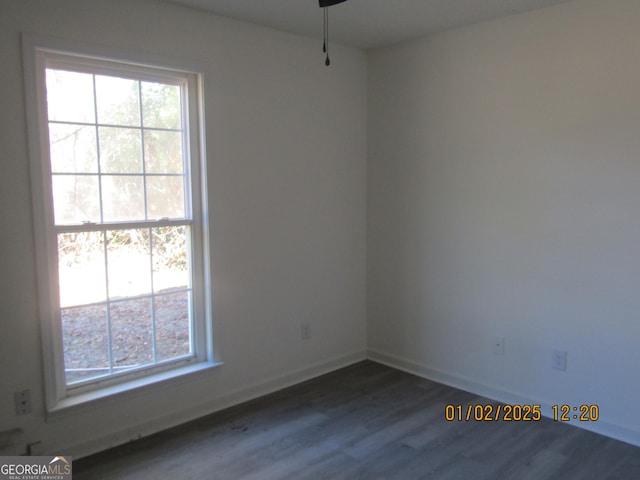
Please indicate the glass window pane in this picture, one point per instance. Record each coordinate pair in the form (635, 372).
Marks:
(131, 333)
(73, 148)
(163, 151)
(81, 268)
(170, 261)
(172, 325)
(161, 105)
(128, 263)
(165, 197)
(120, 150)
(75, 199)
(123, 198)
(70, 96)
(84, 337)
(118, 101)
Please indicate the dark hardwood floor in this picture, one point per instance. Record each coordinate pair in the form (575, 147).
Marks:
(368, 422)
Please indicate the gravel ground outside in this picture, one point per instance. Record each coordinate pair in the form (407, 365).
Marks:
(133, 334)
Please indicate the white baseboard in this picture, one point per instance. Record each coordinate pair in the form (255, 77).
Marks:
(609, 429)
(79, 450)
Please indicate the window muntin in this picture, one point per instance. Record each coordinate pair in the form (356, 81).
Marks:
(122, 191)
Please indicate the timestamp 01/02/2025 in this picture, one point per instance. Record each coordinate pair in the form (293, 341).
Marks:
(520, 413)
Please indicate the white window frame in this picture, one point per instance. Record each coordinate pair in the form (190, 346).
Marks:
(37, 52)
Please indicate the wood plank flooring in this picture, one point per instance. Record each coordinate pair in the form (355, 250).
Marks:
(369, 422)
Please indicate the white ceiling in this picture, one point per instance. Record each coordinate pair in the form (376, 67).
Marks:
(367, 23)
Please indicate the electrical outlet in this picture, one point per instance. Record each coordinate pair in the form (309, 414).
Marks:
(305, 331)
(559, 360)
(23, 402)
(497, 345)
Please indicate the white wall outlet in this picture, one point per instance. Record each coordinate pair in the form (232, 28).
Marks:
(559, 360)
(305, 331)
(497, 345)
(23, 402)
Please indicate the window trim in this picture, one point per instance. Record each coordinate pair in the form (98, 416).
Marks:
(36, 48)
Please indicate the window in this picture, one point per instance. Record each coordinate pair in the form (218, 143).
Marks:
(119, 218)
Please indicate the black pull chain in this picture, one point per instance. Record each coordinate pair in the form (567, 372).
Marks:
(325, 45)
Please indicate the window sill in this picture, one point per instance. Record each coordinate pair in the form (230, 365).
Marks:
(75, 402)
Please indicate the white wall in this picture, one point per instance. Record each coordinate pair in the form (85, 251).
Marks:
(504, 199)
(286, 147)
(503, 189)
